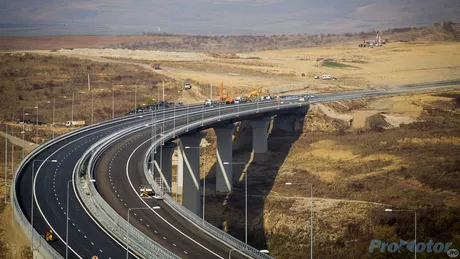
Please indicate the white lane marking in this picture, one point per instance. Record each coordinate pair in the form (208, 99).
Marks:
(40, 209)
(134, 189)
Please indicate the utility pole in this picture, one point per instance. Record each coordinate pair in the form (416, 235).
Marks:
(89, 85)
(163, 90)
(6, 159)
(211, 92)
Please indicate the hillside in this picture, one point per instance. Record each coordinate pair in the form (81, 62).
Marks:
(443, 31)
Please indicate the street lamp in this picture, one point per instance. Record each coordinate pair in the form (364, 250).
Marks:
(246, 197)
(127, 229)
(68, 219)
(32, 200)
(113, 102)
(204, 179)
(135, 99)
(23, 125)
(415, 226)
(54, 112)
(6, 159)
(187, 118)
(230, 253)
(311, 214)
(73, 100)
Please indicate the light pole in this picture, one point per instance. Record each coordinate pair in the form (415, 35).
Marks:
(246, 197)
(174, 122)
(92, 106)
(202, 115)
(6, 159)
(127, 229)
(68, 218)
(73, 100)
(32, 200)
(415, 227)
(230, 253)
(23, 125)
(135, 99)
(204, 179)
(187, 118)
(54, 114)
(113, 103)
(218, 104)
(23, 142)
(311, 214)
(238, 105)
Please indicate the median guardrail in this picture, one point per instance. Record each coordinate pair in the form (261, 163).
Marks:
(126, 233)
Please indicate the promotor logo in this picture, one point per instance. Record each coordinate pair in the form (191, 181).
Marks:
(430, 247)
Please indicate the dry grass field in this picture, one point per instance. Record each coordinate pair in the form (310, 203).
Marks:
(279, 71)
(361, 156)
(356, 172)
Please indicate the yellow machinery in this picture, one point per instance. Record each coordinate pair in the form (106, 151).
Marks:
(254, 95)
(227, 99)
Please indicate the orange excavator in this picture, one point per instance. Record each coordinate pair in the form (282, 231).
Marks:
(227, 99)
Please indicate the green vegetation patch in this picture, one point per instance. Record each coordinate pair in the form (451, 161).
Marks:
(334, 64)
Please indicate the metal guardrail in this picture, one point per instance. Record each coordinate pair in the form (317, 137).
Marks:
(126, 233)
(43, 247)
(213, 231)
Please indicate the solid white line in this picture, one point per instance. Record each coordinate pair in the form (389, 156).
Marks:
(134, 189)
(38, 205)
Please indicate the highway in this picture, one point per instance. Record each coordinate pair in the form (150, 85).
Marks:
(120, 165)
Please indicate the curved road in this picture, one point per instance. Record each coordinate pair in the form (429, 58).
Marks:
(86, 238)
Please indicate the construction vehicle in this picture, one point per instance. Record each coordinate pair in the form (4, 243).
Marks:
(49, 236)
(146, 192)
(227, 99)
(254, 95)
(156, 66)
(75, 123)
(187, 85)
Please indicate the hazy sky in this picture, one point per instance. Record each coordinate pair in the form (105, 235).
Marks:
(211, 17)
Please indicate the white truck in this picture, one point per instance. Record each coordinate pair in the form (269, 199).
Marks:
(208, 103)
(75, 123)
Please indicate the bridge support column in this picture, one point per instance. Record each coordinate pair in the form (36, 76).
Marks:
(150, 165)
(224, 176)
(191, 171)
(163, 162)
(260, 134)
(180, 170)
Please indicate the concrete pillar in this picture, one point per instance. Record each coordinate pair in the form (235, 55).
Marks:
(224, 178)
(260, 134)
(163, 162)
(191, 171)
(151, 166)
(180, 170)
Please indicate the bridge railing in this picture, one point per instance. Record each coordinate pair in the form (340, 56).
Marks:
(213, 231)
(126, 233)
